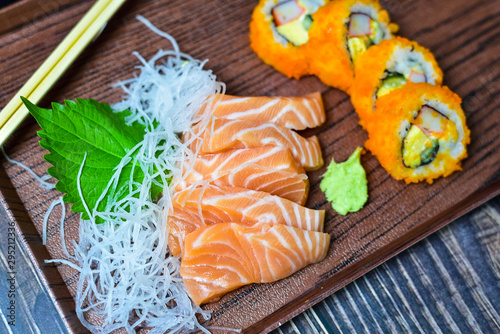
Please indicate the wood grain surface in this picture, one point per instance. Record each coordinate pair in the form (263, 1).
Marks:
(463, 35)
(446, 283)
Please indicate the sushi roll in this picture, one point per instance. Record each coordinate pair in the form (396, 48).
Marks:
(342, 31)
(278, 31)
(387, 66)
(418, 132)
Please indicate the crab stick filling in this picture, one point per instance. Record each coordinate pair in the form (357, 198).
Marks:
(293, 20)
(427, 132)
(363, 32)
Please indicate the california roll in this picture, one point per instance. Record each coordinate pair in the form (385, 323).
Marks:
(418, 132)
(278, 31)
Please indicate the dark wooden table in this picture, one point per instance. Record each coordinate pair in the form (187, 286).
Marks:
(449, 282)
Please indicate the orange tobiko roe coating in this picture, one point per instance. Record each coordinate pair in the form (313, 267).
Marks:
(287, 59)
(327, 51)
(402, 104)
(370, 69)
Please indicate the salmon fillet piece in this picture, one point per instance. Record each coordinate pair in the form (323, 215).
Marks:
(196, 207)
(223, 257)
(268, 168)
(224, 134)
(297, 113)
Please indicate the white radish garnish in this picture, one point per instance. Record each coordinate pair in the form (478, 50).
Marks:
(360, 25)
(128, 279)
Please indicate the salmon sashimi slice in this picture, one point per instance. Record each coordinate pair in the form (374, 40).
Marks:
(223, 257)
(296, 113)
(195, 207)
(269, 168)
(224, 134)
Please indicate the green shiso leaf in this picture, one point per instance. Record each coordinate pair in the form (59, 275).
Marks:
(86, 126)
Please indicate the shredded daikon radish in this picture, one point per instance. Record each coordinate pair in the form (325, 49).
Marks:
(127, 277)
(47, 216)
(42, 180)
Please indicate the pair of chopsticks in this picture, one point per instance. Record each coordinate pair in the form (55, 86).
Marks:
(87, 29)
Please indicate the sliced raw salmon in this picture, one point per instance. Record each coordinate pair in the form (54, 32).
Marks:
(296, 113)
(269, 168)
(195, 207)
(222, 134)
(222, 257)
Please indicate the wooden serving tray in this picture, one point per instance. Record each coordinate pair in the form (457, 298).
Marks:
(464, 36)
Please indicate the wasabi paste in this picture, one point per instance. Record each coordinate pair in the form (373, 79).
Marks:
(345, 185)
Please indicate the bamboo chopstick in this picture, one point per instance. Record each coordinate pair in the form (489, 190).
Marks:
(56, 64)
